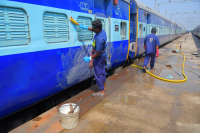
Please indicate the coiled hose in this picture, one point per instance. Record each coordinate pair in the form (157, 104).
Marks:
(168, 80)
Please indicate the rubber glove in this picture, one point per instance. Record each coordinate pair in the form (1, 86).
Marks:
(157, 52)
(83, 27)
(177, 51)
(169, 76)
(86, 59)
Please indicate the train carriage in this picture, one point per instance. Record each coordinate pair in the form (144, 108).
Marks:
(41, 51)
(196, 31)
(142, 20)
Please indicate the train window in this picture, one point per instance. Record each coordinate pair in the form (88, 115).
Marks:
(123, 28)
(13, 27)
(157, 29)
(103, 23)
(83, 34)
(140, 29)
(55, 27)
(150, 29)
(161, 30)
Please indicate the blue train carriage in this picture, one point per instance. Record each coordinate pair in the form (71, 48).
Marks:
(196, 31)
(178, 31)
(142, 20)
(41, 52)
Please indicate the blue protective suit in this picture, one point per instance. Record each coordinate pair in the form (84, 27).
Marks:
(99, 44)
(151, 41)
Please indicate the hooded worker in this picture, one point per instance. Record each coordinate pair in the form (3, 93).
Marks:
(98, 55)
(151, 42)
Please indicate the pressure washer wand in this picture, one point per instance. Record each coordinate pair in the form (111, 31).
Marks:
(170, 65)
(176, 71)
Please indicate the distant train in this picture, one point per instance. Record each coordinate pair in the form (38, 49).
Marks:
(196, 31)
(145, 18)
(41, 51)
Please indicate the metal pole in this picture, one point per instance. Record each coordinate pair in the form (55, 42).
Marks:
(158, 8)
(176, 71)
(155, 5)
(166, 13)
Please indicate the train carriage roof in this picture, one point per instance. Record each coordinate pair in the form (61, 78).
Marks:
(146, 8)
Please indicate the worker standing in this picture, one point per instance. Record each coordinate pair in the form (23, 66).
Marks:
(151, 42)
(98, 55)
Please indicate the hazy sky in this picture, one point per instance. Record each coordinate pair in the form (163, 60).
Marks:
(187, 20)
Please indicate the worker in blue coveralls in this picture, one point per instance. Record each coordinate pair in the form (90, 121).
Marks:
(98, 55)
(151, 42)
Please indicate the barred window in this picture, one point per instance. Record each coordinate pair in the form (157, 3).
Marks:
(55, 27)
(83, 34)
(13, 27)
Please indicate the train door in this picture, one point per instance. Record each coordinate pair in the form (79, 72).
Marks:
(133, 32)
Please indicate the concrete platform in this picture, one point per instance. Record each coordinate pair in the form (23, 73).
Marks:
(137, 102)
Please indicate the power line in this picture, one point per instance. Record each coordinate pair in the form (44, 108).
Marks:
(174, 2)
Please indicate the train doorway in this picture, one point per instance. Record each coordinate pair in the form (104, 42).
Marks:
(148, 22)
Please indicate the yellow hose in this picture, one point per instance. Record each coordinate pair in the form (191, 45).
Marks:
(175, 81)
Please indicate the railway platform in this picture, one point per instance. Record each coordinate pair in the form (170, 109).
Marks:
(137, 102)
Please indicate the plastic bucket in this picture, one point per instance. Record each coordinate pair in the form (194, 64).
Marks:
(69, 121)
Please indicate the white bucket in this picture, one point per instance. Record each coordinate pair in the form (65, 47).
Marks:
(69, 121)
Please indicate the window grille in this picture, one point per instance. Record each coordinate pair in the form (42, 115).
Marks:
(83, 34)
(13, 27)
(55, 27)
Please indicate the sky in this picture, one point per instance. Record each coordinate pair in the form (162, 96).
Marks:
(188, 21)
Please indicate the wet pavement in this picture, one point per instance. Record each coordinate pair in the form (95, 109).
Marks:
(138, 102)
